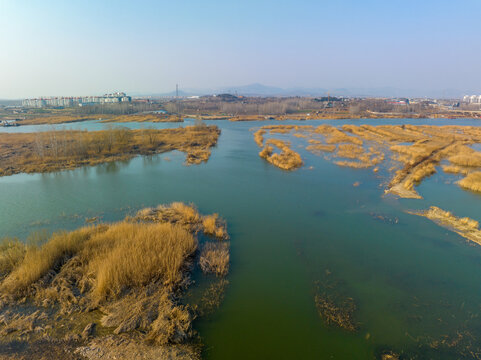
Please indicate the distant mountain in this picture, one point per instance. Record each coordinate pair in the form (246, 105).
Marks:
(257, 89)
(253, 90)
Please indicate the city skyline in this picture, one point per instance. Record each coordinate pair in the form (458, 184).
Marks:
(65, 49)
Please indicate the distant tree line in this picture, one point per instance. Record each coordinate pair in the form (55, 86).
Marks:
(245, 106)
(115, 109)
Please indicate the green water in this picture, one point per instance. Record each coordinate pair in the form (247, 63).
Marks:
(412, 281)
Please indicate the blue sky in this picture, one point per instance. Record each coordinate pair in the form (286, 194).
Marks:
(53, 47)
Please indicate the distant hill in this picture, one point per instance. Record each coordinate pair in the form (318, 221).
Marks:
(257, 89)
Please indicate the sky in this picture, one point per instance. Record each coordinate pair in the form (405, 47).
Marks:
(71, 48)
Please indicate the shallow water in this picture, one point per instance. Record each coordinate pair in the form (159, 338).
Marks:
(412, 281)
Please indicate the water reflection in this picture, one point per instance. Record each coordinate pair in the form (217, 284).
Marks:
(111, 167)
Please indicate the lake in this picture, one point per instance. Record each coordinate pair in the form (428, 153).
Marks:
(292, 233)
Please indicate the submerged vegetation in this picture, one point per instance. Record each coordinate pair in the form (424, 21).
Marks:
(333, 305)
(58, 150)
(122, 278)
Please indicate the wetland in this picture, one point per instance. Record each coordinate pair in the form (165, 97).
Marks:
(308, 252)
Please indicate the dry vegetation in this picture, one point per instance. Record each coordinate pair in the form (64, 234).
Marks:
(415, 151)
(333, 305)
(58, 150)
(54, 119)
(465, 227)
(287, 159)
(337, 314)
(153, 117)
(472, 182)
(255, 108)
(214, 258)
(124, 278)
(259, 137)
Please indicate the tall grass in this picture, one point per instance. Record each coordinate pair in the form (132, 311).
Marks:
(134, 270)
(472, 159)
(287, 159)
(472, 182)
(214, 258)
(214, 226)
(38, 261)
(259, 137)
(12, 252)
(57, 150)
(136, 254)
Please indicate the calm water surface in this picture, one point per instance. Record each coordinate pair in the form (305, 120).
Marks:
(412, 281)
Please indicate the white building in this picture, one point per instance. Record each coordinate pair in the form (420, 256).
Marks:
(472, 99)
(76, 101)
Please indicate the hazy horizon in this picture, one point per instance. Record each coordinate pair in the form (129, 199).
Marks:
(55, 48)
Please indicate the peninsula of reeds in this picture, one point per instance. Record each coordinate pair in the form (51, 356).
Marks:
(110, 285)
(59, 150)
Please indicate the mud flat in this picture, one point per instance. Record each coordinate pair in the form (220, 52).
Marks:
(110, 290)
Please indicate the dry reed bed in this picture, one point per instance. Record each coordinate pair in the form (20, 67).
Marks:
(59, 150)
(472, 182)
(259, 137)
(417, 150)
(69, 118)
(466, 227)
(287, 159)
(133, 273)
(145, 118)
(55, 119)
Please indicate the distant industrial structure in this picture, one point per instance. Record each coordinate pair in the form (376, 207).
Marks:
(472, 99)
(118, 97)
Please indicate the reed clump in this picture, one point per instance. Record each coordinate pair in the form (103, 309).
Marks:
(472, 159)
(472, 182)
(12, 252)
(215, 226)
(214, 258)
(287, 159)
(452, 169)
(353, 164)
(259, 137)
(186, 215)
(133, 272)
